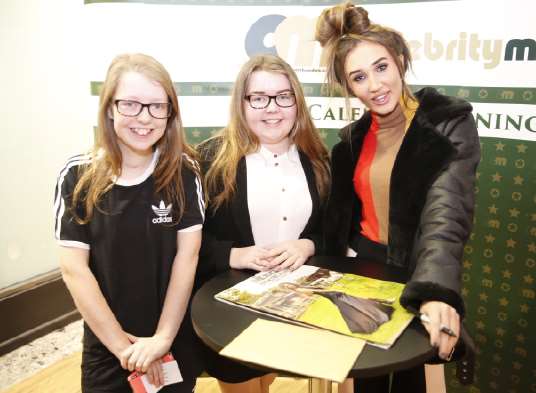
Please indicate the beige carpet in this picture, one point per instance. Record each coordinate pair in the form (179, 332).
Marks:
(64, 376)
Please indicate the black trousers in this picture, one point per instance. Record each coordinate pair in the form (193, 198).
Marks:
(411, 380)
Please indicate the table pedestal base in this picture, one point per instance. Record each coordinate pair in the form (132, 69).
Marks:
(317, 385)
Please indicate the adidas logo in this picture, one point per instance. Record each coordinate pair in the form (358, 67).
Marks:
(162, 212)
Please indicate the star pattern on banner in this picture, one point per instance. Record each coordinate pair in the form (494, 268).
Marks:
(500, 270)
(518, 180)
(489, 238)
(513, 212)
(521, 148)
(493, 209)
(528, 279)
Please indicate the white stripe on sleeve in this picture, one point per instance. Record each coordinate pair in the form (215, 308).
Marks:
(59, 202)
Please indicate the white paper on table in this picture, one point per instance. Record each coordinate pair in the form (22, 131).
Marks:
(311, 352)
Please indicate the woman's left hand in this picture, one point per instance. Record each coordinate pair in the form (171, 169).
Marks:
(290, 254)
(155, 373)
(441, 315)
(144, 351)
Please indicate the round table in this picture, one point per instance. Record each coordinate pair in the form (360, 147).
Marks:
(218, 323)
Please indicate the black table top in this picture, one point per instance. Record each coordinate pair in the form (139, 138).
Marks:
(218, 323)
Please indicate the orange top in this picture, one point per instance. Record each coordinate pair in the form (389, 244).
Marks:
(372, 174)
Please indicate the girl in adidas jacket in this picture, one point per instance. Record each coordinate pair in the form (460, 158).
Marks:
(129, 216)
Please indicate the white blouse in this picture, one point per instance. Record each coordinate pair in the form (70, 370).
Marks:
(279, 201)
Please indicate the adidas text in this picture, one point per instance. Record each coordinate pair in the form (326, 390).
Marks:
(161, 220)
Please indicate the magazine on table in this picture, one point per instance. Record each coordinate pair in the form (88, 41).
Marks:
(345, 303)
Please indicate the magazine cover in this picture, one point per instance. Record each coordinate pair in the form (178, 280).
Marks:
(353, 305)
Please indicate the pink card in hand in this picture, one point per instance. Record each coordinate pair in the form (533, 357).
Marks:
(139, 383)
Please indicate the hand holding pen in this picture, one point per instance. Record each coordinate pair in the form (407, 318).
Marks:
(443, 324)
(445, 329)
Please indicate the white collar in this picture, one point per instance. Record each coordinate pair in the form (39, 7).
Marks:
(141, 178)
(269, 157)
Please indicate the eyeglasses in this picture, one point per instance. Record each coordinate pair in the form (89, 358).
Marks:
(158, 110)
(261, 101)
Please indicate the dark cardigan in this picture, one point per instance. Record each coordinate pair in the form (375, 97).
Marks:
(229, 226)
(431, 197)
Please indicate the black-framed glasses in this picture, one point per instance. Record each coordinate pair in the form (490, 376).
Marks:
(158, 110)
(261, 101)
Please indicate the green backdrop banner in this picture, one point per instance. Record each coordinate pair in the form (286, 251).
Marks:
(501, 95)
(499, 269)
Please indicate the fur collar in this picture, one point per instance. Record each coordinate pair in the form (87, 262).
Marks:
(433, 109)
(422, 155)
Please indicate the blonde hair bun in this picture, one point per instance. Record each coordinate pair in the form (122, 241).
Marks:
(345, 18)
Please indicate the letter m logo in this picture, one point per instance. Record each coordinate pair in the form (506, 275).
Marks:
(520, 47)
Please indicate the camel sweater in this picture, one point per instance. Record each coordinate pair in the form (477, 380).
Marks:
(372, 174)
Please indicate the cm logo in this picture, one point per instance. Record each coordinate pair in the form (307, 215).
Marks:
(291, 38)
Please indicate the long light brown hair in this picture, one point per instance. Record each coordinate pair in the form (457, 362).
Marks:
(341, 28)
(106, 162)
(237, 140)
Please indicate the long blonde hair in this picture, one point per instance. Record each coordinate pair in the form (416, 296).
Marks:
(237, 140)
(105, 165)
(341, 28)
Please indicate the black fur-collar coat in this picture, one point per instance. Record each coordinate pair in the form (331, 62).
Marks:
(431, 197)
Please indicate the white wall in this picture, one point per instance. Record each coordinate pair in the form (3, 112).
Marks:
(43, 93)
(50, 50)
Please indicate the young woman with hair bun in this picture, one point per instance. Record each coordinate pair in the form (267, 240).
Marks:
(403, 177)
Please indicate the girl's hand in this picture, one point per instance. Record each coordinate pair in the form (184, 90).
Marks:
(155, 373)
(143, 352)
(441, 315)
(291, 254)
(253, 257)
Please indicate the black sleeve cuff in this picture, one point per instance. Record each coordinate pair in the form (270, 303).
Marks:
(416, 293)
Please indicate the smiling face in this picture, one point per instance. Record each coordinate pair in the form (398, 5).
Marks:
(373, 77)
(137, 134)
(272, 125)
